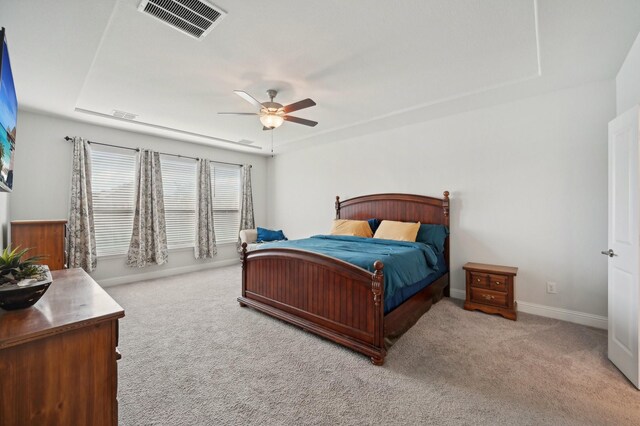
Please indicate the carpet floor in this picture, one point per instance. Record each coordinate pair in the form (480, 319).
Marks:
(192, 356)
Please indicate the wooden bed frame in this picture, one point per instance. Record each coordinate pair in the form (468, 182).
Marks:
(335, 299)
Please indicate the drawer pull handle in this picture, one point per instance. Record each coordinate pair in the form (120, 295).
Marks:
(478, 279)
(488, 296)
(498, 283)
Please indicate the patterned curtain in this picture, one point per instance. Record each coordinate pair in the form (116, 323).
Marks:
(246, 213)
(205, 235)
(149, 238)
(81, 238)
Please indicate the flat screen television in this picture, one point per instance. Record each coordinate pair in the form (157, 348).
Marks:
(8, 118)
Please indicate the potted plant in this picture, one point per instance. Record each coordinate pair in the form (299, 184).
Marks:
(22, 281)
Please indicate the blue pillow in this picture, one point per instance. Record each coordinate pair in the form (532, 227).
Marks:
(434, 235)
(373, 224)
(265, 235)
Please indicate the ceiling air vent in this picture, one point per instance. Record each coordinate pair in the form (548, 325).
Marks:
(195, 18)
(124, 115)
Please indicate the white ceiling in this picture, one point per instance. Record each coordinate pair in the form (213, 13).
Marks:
(369, 65)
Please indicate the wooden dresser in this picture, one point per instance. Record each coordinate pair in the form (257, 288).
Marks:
(58, 358)
(491, 289)
(44, 237)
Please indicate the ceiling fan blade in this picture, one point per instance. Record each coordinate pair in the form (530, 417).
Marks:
(247, 97)
(240, 113)
(305, 103)
(300, 120)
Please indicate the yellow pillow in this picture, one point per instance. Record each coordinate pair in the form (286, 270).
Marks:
(358, 228)
(400, 231)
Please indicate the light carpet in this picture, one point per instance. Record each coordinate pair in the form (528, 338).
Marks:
(192, 356)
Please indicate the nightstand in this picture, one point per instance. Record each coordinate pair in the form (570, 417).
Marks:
(491, 289)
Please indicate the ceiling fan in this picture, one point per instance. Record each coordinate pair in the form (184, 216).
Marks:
(273, 114)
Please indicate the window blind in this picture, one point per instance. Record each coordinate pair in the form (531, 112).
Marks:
(226, 188)
(113, 186)
(179, 185)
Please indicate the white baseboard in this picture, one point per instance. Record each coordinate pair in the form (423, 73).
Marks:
(126, 279)
(577, 317)
(457, 293)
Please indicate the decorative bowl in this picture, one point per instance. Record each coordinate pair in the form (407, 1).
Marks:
(19, 297)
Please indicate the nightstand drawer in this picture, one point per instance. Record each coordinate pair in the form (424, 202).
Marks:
(479, 280)
(488, 297)
(489, 281)
(498, 282)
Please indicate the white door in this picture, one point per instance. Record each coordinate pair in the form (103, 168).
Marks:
(624, 239)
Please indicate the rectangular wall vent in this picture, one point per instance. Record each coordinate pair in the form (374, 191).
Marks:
(124, 115)
(196, 18)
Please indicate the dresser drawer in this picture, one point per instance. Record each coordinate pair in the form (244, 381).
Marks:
(488, 297)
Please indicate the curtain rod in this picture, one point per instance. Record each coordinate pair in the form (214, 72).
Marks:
(67, 138)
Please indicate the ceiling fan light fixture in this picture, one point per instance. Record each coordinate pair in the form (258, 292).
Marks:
(272, 120)
(273, 114)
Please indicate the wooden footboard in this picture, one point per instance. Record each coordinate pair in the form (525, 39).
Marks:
(321, 294)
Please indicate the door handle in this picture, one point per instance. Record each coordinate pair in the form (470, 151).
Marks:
(609, 253)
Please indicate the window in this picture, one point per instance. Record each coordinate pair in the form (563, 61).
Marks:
(225, 186)
(179, 185)
(113, 185)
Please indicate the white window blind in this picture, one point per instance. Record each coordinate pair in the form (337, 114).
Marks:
(179, 185)
(226, 188)
(113, 185)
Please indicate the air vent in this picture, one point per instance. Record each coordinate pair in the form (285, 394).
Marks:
(124, 115)
(192, 17)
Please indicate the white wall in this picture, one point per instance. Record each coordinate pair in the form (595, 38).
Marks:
(628, 80)
(42, 174)
(528, 182)
(4, 219)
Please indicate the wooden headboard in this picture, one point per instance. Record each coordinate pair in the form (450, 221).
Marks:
(398, 207)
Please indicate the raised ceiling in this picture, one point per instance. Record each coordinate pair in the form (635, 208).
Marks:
(369, 65)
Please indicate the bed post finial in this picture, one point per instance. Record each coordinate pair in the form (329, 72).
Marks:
(337, 207)
(445, 205)
(378, 265)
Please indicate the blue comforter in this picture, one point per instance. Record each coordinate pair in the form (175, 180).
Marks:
(405, 263)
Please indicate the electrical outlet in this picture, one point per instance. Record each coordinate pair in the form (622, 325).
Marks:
(552, 288)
